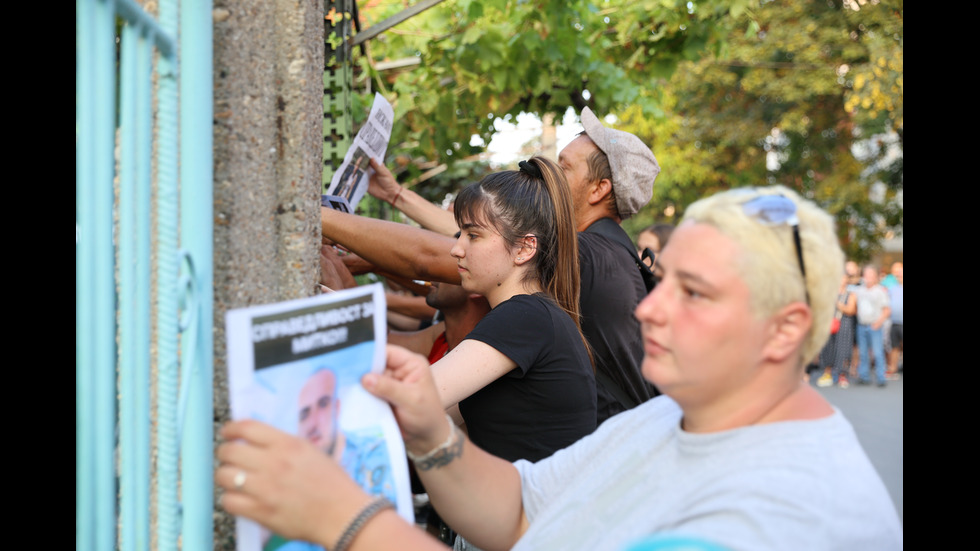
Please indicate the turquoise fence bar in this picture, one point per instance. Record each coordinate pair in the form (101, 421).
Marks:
(197, 207)
(168, 519)
(128, 259)
(95, 485)
(118, 312)
(135, 145)
(142, 380)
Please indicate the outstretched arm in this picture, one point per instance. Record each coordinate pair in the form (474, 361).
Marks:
(411, 306)
(357, 266)
(420, 341)
(383, 185)
(467, 368)
(400, 249)
(476, 493)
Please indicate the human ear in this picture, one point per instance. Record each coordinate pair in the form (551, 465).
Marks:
(526, 249)
(599, 191)
(790, 326)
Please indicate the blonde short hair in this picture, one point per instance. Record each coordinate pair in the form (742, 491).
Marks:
(769, 265)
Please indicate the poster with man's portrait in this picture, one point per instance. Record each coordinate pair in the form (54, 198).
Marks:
(297, 365)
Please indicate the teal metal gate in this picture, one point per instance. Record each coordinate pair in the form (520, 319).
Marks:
(143, 276)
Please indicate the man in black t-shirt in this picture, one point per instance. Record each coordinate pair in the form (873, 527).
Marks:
(611, 175)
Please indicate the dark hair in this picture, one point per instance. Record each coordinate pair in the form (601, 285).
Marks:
(534, 200)
(662, 231)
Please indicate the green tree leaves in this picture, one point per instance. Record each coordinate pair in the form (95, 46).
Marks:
(781, 107)
(727, 93)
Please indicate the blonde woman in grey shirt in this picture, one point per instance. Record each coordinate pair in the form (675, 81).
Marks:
(734, 454)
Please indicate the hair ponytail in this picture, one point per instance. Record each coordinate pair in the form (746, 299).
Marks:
(563, 281)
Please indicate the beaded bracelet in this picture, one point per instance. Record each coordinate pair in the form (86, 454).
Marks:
(437, 449)
(397, 195)
(377, 505)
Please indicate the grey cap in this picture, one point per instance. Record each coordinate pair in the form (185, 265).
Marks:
(634, 168)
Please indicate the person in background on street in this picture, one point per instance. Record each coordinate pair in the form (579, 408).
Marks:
(853, 272)
(889, 279)
(836, 354)
(725, 456)
(885, 279)
(896, 295)
(847, 339)
(653, 237)
(873, 309)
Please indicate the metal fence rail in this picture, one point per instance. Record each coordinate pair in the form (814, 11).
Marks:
(143, 276)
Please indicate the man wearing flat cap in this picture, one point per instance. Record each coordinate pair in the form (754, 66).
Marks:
(611, 175)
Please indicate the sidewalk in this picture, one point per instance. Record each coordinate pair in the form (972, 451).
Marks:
(877, 414)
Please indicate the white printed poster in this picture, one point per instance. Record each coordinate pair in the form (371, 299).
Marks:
(297, 365)
(350, 180)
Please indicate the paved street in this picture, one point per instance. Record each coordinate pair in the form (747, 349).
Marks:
(877, 416)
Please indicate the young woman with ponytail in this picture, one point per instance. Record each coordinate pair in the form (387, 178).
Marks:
(523, 378)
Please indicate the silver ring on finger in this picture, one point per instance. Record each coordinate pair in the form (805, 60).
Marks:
(239, 480)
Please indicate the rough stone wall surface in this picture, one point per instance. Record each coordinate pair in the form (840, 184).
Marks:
(268, 65)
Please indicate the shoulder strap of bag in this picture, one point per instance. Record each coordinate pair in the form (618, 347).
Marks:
(608, 228)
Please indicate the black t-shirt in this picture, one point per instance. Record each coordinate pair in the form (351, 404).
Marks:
(548, 401)
(611, 289)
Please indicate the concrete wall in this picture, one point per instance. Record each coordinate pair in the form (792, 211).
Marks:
(268, 117)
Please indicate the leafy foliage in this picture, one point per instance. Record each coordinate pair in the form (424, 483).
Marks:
(483, 60)
(781, 106)
(806, 93)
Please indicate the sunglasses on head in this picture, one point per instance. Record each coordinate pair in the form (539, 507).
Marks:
(774, 210)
